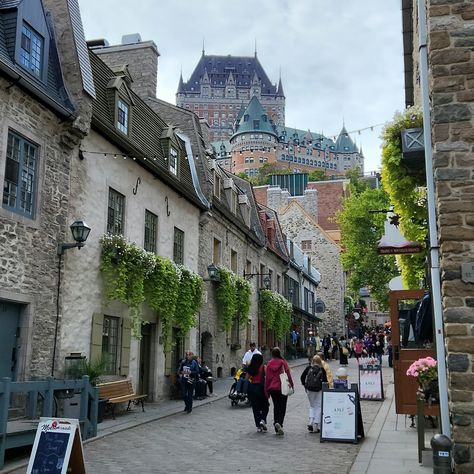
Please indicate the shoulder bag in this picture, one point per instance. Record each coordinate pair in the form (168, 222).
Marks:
(286, 388)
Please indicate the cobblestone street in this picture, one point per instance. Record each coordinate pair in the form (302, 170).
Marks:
(218, 438)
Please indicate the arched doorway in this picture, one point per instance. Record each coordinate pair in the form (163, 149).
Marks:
(207, 351)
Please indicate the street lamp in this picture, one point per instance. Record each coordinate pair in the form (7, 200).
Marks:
(267, 281)
(80, 231)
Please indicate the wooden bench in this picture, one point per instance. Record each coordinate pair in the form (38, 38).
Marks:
(120, 391)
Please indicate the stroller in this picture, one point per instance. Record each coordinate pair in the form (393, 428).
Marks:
(235, 396)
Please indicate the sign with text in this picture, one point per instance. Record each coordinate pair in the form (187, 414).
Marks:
(57, 448)
(339, 415)
(370, 383)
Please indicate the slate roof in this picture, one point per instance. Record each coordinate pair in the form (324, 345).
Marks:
(218, 68)
(294, 136)
(254, 119)
(300, 259)
(279, 247)
(145, 131)
(52, 91)
(344, 142)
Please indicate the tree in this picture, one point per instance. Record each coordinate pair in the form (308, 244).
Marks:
(357, 184)
(318, 175)
(360, 233)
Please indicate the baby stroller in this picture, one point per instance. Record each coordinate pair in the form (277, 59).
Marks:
(236, 396)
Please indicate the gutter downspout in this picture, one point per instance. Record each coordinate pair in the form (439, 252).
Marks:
(433, 233)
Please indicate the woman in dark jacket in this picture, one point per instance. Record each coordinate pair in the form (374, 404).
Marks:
(273, 388)
(256, 377)
(343, 351)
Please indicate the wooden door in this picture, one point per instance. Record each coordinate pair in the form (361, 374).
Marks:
(406, 351)
(9, 318)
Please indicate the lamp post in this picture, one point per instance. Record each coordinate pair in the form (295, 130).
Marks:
(80, 231)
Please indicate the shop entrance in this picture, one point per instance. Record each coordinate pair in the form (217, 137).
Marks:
(407, 348)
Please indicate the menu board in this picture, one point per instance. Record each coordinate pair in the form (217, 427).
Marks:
(57, 447)
(339, 415)
(370, 383)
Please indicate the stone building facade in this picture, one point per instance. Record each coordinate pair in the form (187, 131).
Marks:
(39, 142)
(451, 88)
(302, 228)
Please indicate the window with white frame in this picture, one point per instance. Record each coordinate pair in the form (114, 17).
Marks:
(31, 50)
(19, 187)
(122, 116)
(173, 159)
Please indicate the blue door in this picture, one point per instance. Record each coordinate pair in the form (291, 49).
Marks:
(9, 319)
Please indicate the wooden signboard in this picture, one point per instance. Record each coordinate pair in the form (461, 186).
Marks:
(370, 382)
(57, 448)
(339, 414)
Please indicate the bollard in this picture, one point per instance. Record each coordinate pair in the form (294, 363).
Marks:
(442, 448)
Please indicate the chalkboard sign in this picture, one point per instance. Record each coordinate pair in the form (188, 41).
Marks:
(57, 447)
(339, 414)
(370, 382)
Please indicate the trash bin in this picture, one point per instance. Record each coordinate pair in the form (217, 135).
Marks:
(442, 448)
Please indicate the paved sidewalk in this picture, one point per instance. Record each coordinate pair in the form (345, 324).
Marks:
(391, 446)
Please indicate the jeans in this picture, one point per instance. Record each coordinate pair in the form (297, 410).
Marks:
(242, 385)
(279, 406)
(260, 405)
(187, 389)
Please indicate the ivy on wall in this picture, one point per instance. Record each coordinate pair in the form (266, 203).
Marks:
(233, 297)
(276, 311)
(407, 193)
(134, 276)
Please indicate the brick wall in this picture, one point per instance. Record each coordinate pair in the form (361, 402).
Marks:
(451, 58)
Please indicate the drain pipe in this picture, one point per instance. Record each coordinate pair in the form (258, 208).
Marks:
(433, 233)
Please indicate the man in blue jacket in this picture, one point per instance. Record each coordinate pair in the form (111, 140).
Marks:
(188, 373)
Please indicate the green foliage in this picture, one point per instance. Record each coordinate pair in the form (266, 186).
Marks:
(318, 175)
(95, 369)
(276, 311)
(134, 276)
(357, 185)
(406, 193)
(233, 296)
(360, 233)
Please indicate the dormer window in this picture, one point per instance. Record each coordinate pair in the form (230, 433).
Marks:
(173, 159)
(122, 116)
(31, 51)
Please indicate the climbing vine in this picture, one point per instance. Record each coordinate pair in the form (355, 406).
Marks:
(233, 296)
(134, 276)
(276, 311)
(407, 193)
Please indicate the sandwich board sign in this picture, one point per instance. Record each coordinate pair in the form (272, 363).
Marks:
(57, 448)
(370, 382)
(339, 414)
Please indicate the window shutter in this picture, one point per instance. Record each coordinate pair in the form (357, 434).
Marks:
(125, 348)
(96, 336)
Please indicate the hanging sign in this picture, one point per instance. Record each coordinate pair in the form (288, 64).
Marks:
(57, 448)
(370, 382)
(339, 415)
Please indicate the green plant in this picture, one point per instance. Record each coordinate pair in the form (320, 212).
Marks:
(243, 292)
(95, 369)
(134, 276)
(407, 193)
(276, 311)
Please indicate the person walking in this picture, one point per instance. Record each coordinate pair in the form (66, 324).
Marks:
(276, 366)
(312, 380)
(358, 349)
(327, 369)
(256, 394)
(343, 351)
(188, 373)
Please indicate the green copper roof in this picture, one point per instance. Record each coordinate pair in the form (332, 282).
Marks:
(344, 143)
(296, 136)
(254, 119)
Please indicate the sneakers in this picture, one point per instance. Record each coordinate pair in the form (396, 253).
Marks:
(279, 429)
(263, 426)
(316, 428)
(310, 428)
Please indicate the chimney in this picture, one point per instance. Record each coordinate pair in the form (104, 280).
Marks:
(141, 57)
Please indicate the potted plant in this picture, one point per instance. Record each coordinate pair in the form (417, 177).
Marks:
(425, 372)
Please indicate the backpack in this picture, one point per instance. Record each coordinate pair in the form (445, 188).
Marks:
(314, 379)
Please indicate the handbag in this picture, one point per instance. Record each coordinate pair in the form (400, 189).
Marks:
(345, 351)
(286, 388)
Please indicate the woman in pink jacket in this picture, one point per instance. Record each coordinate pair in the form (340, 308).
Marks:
(273, 388)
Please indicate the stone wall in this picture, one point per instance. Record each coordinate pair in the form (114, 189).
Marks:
(28, 246)
(324, 253)
(451, 59)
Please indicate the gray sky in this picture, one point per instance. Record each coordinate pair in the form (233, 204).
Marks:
(339, 59)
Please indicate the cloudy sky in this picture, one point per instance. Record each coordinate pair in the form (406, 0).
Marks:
(339, 59)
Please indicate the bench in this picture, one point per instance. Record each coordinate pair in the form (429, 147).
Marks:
(120, 391)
